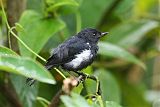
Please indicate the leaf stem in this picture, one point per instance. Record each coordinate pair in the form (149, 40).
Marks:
(99, 98)
(44, 100)
(60, 73)
(11, 31)
(5, 17)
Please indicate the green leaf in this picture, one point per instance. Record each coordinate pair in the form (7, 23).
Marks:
(74, 101)
(131, 33)
(6, 51)
(92, 12)
(141, 8)
(133, 94)
(109, 85)
(112, 104)
(110, 50)
(63, 7)
(43, 101)
(40, 5)
(26, 94)
(25, 67)
(19, 27)
(124, 8)
(67, 101)
(37, 31)
(78, 89)
(61, 3)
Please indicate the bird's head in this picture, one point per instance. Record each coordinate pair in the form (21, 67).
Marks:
(91, 34)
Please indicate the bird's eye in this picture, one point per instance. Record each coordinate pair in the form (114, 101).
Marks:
(94, 34)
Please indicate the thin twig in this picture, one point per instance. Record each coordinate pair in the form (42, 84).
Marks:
(68, 85)
(56, 99)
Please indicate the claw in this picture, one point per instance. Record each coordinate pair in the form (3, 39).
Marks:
(83, 76)
(80, 80)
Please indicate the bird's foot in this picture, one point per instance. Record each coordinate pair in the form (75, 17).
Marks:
(80, 80)
(82, 77)
(87, 76)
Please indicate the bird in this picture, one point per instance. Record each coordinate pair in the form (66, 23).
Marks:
(76, 53)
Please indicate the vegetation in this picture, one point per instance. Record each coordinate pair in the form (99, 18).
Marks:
(127, 64)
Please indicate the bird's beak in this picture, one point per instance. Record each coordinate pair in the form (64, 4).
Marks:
(104, 33)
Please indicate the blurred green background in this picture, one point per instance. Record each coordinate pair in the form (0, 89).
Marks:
(128, 61)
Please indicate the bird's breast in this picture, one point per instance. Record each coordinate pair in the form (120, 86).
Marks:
(79, 59)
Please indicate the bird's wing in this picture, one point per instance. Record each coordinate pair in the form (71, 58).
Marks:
(66, 52)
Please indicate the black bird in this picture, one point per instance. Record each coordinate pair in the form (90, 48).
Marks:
(75, 53)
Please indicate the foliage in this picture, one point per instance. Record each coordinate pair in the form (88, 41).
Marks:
(13, 63)
(43, 30)
(129, 50)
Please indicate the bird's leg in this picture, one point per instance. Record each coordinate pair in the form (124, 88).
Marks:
(71, 74)
(81, 78)
(87, 76)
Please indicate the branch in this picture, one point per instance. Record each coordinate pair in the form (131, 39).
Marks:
(10, 95)
(68, 85)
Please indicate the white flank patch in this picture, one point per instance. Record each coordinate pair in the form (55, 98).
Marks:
(83, 56)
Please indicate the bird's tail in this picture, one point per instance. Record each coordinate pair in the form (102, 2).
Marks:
(31, 81)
